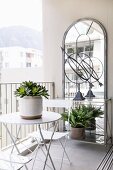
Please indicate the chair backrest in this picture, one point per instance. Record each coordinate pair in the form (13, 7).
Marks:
(57, 103)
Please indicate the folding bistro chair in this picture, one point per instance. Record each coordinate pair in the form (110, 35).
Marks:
(12, 161)
(55, 103)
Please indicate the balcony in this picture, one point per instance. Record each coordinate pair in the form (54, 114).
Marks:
(82, 151)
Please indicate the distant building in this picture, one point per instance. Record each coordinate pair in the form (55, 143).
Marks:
(19, 57)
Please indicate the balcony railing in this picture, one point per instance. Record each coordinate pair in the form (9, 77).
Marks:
(9, 104)
(71, 90)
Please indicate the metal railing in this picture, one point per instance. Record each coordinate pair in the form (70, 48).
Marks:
(71, 90)
(9, 104)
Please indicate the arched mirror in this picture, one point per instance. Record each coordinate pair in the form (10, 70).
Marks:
(84, 56)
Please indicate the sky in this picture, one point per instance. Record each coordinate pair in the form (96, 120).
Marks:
(21, 12)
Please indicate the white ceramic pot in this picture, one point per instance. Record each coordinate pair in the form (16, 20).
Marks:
(30, 107)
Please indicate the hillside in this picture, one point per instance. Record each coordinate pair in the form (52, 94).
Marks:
(20, 36)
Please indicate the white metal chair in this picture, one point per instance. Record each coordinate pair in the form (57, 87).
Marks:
(55, 103)
(12, 161)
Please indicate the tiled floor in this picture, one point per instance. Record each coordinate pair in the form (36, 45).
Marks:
(83, 155)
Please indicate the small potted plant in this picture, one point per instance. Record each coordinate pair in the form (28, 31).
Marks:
(30, 103)
(79, 120)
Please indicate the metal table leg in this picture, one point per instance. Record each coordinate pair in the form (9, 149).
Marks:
(48, 148)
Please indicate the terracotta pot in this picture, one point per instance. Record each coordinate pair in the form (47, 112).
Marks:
(30, 107)
(77, 133)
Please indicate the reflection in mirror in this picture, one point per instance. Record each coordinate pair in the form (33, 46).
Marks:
(84, 55)
(84, 59)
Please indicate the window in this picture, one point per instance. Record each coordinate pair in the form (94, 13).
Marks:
(6, 65)
(28, 64)
(29, 55)
(70, 50)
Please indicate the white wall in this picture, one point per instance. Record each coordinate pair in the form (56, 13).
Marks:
(57, 16)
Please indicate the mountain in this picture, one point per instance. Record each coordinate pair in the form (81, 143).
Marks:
(20, 36)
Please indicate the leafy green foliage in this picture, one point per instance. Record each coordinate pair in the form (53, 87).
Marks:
(29, 88)
(96, 111)
(78, 117)
(82, 115)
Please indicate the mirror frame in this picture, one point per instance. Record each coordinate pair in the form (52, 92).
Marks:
(106, 131)
(105, 55)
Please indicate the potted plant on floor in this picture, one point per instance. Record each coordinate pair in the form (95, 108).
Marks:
(96, 112)
(79, 120)
(30, 103)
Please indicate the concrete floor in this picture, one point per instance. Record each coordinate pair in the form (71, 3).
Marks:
(83, 155)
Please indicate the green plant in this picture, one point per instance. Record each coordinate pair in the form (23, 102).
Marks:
(78, 117)
(30, 88)
(96, 111)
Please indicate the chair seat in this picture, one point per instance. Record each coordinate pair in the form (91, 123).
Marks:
(12, 161)
(53, 103)
(47, 134)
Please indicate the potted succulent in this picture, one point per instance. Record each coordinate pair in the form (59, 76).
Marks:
(79, 119)
(30, 103)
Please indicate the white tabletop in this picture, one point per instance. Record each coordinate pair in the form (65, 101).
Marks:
(14, 118)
